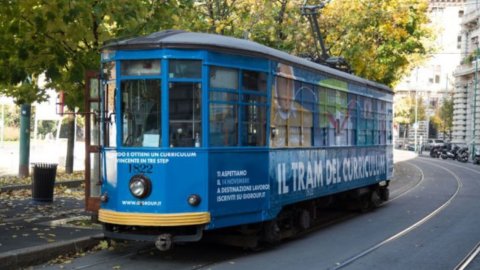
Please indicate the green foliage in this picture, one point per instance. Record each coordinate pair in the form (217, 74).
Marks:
(46, 126)
(405, 111)
(12, 116)
(381, 39)
(61, 38)
(443, 118)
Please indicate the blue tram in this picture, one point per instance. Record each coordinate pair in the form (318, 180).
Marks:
(202, 132)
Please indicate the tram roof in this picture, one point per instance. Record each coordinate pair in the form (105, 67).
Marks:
(192, 40)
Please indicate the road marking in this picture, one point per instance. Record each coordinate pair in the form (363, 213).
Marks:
(407, 230)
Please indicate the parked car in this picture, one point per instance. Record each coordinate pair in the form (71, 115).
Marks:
(433, 143)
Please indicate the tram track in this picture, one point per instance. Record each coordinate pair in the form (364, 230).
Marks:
(475, 251)
(146, 250)
(340, 217)
(469, 258)
(409, 229)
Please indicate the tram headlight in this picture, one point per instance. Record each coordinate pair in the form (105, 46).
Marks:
(140, 186)
(194, 200)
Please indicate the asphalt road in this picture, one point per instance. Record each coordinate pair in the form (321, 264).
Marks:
(430, 223)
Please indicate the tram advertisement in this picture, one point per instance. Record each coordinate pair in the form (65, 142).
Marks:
(247, 181)
(302, 173)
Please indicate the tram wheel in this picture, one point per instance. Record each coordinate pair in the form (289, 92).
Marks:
(365, 203)
(304, 220)
(375, 199)
(272, 233)
(384, 194)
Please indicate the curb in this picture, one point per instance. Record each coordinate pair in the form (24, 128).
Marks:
(26, 257)
(70, 183)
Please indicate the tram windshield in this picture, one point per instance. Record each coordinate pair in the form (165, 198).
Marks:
(185, 114)
(141, 107)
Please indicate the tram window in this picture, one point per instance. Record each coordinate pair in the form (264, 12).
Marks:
(185, 114)
(141, 107)
(254, 123)
(254, 81)
(140, 67)
(185, 69)
(331, 111)
(223, 96)
(111, 125)
(352, 119)
(223, 124)
(223, 78)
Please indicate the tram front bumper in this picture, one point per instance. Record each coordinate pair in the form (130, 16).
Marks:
(156, 220)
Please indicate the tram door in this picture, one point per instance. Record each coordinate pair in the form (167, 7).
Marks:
(92, 142)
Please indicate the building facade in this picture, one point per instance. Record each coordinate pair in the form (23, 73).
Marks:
(434, 80)
(466, 98)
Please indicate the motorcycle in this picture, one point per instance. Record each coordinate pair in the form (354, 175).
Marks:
(462, 154)
(450, 153)
(435, 151)
(476, 158)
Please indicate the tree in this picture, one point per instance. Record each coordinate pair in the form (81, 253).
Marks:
(62, 39)
(19, 74)
(443, 117)
(405, 112)
(381, 39)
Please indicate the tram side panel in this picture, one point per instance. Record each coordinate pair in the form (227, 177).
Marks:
(239, 188)
(297, 175)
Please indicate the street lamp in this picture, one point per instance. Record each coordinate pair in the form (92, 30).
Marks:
(475, 101)
(415, 126)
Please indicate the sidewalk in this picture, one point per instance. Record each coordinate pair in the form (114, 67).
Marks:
(32, 233)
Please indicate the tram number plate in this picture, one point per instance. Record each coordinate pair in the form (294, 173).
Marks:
(140, 168)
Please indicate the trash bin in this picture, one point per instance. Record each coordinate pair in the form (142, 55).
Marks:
(43, 181)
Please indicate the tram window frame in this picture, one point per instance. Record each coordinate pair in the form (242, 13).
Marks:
(331, 108)
(223, 106)
(237, 107)
(109, 76)
(320, 133)
(185, 122)
(382, 122)
(352, 119)
(142, 134)
(297, 129)
(184, 68)
(144, 67)
(307, 111)
(253, 108)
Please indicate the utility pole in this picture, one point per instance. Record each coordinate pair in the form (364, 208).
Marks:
(2, 124)
(415, 125)
(475, 102)
(25, 113)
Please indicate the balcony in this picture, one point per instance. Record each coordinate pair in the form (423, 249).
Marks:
(463, 70)
(457, 111)
(470, 19)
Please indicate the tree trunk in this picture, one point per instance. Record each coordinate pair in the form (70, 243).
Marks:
(70, 144)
